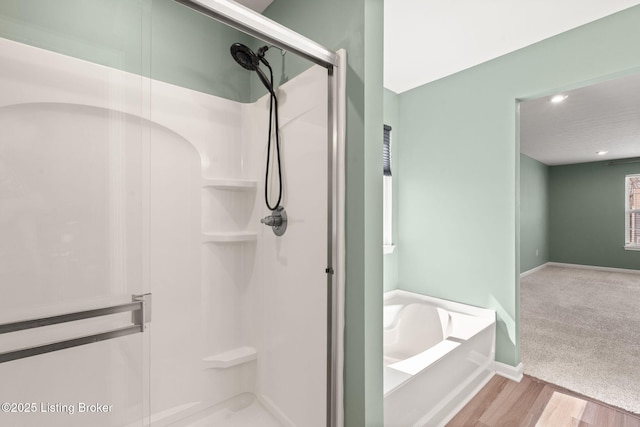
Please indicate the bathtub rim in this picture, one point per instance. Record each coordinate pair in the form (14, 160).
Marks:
(400, 296)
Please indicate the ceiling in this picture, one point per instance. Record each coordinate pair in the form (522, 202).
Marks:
(429, 39)
(600, 117)
(426, 40)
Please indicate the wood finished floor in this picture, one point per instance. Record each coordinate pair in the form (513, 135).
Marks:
(533, 402)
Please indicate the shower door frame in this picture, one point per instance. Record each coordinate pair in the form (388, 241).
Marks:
(256, 25)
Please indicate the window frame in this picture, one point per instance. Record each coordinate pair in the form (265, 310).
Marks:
(387, 194)
(628, 245)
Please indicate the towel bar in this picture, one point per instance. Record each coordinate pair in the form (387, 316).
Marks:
(140, 309)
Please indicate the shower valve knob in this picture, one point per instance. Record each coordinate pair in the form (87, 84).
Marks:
(272, 221)
(277, 221)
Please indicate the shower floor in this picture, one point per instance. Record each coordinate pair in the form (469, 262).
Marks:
(243, 410)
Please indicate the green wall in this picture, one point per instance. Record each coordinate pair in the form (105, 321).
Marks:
(356, 25)
(574, 214)
(390, 265)
(587, 215)
(166, 41)
(534, 213)
(114, 33)
(191, 50)
(460, 166)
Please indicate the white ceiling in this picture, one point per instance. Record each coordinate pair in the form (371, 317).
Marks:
(600, 117)
(426, 40)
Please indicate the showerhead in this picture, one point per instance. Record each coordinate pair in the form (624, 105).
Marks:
(250, 61)
(245, 56)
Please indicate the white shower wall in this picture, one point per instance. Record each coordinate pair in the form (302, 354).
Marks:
(72, 230)
(176, 213)
(292, 284)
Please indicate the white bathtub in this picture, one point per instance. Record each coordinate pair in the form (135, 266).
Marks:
(437, 356)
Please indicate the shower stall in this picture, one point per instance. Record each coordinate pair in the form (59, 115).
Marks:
(139, 287)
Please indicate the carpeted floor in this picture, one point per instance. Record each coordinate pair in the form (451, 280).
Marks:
(581, 330)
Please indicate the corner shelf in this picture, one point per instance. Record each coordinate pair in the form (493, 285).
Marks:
(230, 237)
(228, 359)
(230, 184)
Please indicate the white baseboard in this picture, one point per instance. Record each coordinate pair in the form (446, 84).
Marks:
(593, 267)
(533, 270)
(578, 266)
(513, 373)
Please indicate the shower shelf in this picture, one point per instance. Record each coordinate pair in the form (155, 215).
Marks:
(230, 237)
(228, 359)
(230, 184)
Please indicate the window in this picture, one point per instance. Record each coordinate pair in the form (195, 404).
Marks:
(632, 212)
(387, 192)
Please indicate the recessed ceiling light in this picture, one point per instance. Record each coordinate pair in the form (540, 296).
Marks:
(558, 98)
(601, 153)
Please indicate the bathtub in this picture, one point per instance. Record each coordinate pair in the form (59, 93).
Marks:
(437, 355)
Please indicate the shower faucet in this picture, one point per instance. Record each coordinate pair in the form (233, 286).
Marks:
(277, 221)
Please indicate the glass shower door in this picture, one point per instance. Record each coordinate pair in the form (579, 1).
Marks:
(72, 231)
(121, 184)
